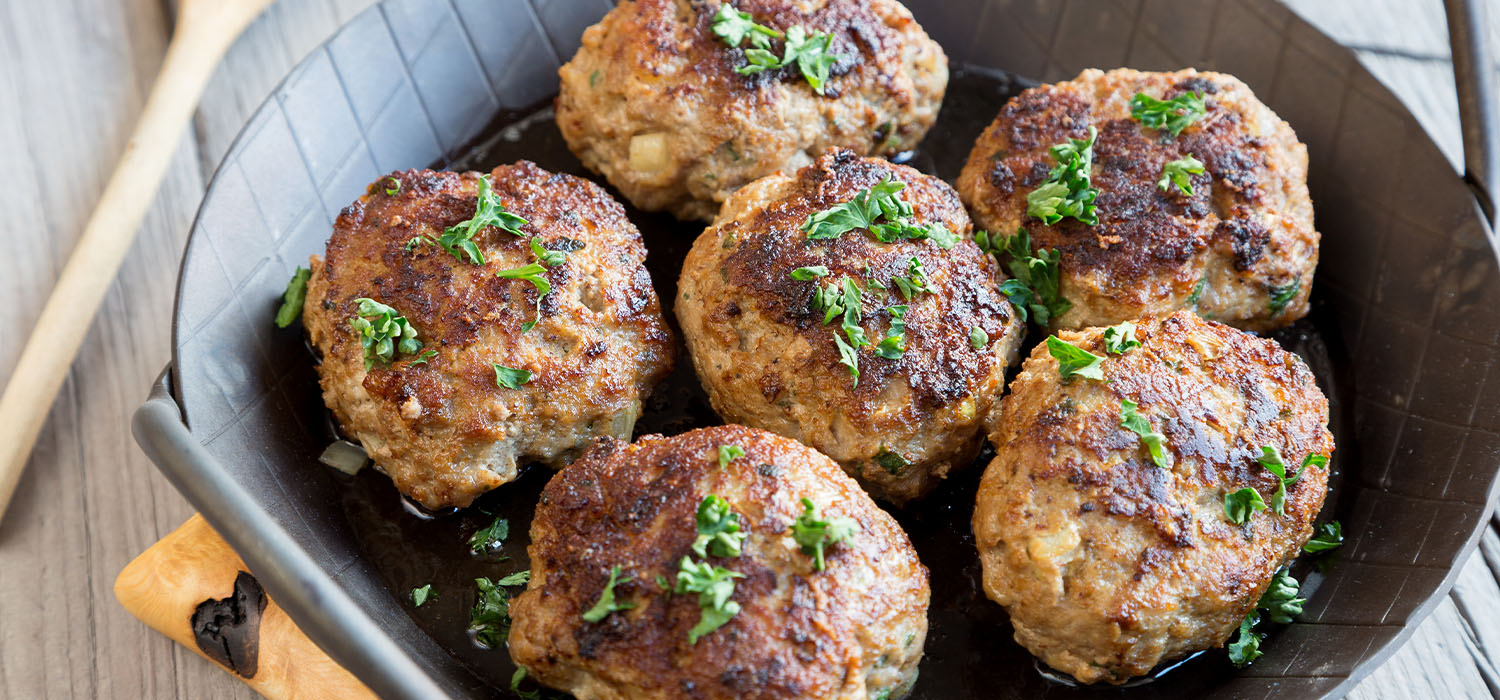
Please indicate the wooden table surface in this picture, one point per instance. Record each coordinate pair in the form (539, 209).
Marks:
(75, 75)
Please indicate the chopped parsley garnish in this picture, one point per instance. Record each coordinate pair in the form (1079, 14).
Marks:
(1068, 189)
(1035, 284)
(865, 211)
(815, 535)
(734, 27)
(978, 339)
(421, 594)
(507, 378)
(714, 585)
(893, 345)
(1178, 173)
(1330, 536)
(490, 537)
(548, 258)
(1138, 424)
(729, 453)
(1271, 459)
(1241, 504)
(489, 619)
(1171, 116)
(458, 239)
(1279, 604)
(1073, 360)
(537, 276)
(607, 604)
(383, 332)
(719, 532)
(812, 272)
(293, 298)
(1118, 339)
(392, 186)
(852, 302)
(915, 282)
(520, 675)
(520, 578)
(809, 51)
(1245, 648)
(423, 358)
(1283, 295)
(892, 462)
(847, 357)
(843, 297)
(1197, 294)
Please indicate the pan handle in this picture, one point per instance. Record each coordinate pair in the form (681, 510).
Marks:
(319, 606)
(1478, 101)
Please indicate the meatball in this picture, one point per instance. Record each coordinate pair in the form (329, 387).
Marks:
(654, 99)
(500, 374)
(619, 535)
(1109, 564)
(772, 353)
(1239, 248)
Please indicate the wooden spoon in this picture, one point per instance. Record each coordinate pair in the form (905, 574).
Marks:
(205, 29)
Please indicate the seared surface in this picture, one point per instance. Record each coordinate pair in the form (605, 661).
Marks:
(1109, 565)
(442, 429)
(767, 359)
(1246, 230)
(854, 630)
(654, 67)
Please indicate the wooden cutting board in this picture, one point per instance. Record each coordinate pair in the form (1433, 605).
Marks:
(193, 588)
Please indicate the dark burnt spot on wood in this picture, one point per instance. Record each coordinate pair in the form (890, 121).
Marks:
(227, 629)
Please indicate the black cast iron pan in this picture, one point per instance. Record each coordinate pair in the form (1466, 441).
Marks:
(1404, 334)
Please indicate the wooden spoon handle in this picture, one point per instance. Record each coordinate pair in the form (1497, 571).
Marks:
(204, 31)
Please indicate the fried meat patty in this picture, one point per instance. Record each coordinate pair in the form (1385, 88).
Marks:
(854, 630)
(437, 420)
(1240, 249)
(1110, 565)
(653, 101)
(766, 353)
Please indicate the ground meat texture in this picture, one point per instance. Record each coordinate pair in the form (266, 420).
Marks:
(1110, 565)
(854, 630)
(767, 359)
(652, 99)
(1243, 239)
(439, 425)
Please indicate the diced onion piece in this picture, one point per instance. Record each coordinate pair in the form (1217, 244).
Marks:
(648, 152)
(346, 457)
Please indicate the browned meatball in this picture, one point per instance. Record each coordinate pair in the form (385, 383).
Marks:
(769, 354)
(1109, 564)
(633, 514)
(653, 99)
(1240, 249)
(436, 418)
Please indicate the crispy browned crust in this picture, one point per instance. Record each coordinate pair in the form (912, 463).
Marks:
(767, 359)
(442, 429)
(850, 631)
(655, 66)
(1247, 229)
(1109, 565)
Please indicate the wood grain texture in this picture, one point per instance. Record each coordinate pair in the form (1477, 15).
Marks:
(76, 74)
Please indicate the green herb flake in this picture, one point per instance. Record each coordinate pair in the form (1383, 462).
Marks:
(893, 345)
(812, 272)
(1171, 116)
(421, 594)
(729, 453)
(383, 332)
(1121, 338)
(714, 586)
(607, 603)
(392, 186)
(537, 276)
(1280, 604)
(1068, 189)
(1179, 172)
(1241, 504)
(1155, 442)
(1035, 284)
(548, 258)
(815, 535)
(423, 358)
(520, 578)
(879, 210)
(1271, 459)
(808, 51)
(507, 378)
(915, 282)
(1245, 648)
(719, 532)
(489, 619)
(1073, 360)
(1283, 295)
(893, 462)
(489, 538)
(293, 298)
(1197, 294)
(848, 357)
(1330, 536)
(458, 239)
(978, 339)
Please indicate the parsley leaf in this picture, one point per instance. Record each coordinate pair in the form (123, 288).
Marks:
(548, 258)
(1172, 115)
(1068, 189)
(978, 339)
(729, 453)
(718, 529)
(423, 358)
(893, 345)
(1283, 295)
(1197, 294)
(1118, 339)
(421, 594)
(1241, 504)
(865, 210)
(809, 51)
(848, 357)
(1245, 648)
(814, 535)
(829, 300)
(734, 27)
(1271, 459)
(537, 276)
(607, 604)
(383, 332)
(893, 462)
(490, 537)
(1179, 172)
(392, 186)
(489, 619)
(812, 272)
(1330, 536)
(1035, 283)
(1138, 424)
(915, 282)
(458, 239)
(1279, 603)
(852, 303)
(1072, 359)
(293, 298)
(520, 578)
(507, 378)
(714, 585)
